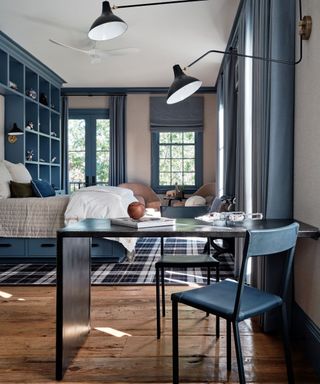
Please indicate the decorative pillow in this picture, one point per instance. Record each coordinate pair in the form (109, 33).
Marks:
(42, 188)
(21, 189)
(18, 172)
(195, 200)
(5, 179)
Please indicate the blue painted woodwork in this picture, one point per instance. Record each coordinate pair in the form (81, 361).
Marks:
(27, 249)
(21, 73)
(90, 116)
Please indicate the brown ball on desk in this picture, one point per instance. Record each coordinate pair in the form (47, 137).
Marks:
(136, 210)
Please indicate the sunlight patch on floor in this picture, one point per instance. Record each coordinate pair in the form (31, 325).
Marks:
(112, 331)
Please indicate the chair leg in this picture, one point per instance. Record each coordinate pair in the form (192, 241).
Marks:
(175, 344)
(217, 317)
(158, 303)
(163, 293)
(208, 282)
(228, 345)
(236, 334)
(286, 344)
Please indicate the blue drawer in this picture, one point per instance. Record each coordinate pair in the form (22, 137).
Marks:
(42, 247)
(12, 247)
(101, 247)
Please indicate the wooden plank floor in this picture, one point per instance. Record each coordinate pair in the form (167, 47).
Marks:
(122, 347)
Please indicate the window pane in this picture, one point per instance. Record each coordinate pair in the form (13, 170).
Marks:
(103, 134)
(189, 179)
(189, 152)
(76, 134)
(188, 137)
(103, 150)
(164, 179)
(177, 165)
(177, 151)
(176, 178)
(164, 137)
(76, 166)
(102, 171)
(164, 151)
(164, 165)
(176, 137)
(189, 165)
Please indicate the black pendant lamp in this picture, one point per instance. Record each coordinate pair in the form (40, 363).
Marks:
(182, 87)
(107, 26)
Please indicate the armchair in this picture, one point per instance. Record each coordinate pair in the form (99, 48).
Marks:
(144, 194)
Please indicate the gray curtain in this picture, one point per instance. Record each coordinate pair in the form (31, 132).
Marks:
(117, 108)
(230, 122)
(266, 28)
(64, 140)
(184, 116)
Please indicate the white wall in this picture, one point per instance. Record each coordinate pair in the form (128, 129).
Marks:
(307, 167)
(1, 127)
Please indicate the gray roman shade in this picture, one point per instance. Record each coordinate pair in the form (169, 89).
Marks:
(184, 116)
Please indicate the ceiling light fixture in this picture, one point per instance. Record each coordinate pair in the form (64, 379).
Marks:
(108, 26)
(184, 86)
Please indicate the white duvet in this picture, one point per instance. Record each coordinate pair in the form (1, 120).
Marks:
(101, 202)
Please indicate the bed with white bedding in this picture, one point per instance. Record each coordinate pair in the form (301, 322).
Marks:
(28, 225)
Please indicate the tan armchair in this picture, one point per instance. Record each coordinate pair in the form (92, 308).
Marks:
(144, 194)
(207, 191)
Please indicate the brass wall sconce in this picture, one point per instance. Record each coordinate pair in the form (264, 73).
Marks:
(13, 133)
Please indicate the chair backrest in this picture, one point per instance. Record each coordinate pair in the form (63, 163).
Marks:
(267, 242)
(183, 212)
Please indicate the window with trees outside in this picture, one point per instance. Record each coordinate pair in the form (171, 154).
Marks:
(88, 148)
(176, 159)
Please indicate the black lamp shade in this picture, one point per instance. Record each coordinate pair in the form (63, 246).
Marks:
(182, 87)
(15, 131)
(107, 26)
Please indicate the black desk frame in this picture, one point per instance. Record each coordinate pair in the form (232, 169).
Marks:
(74, 268)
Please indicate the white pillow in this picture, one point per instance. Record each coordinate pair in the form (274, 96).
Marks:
(5, 179)
(18, 172)
(195, 200)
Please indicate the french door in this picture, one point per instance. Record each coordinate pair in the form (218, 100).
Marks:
(88, 148)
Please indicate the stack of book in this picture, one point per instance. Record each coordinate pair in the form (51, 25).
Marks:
(144, 222)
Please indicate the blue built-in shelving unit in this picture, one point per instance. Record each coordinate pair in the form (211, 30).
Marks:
(20, 73)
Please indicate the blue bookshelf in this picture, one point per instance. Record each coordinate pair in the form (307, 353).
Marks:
(33, 101)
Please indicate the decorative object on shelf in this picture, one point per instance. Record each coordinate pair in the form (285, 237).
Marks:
(13, 85)
(179, 191)
(53, 134)
(29, 154)
(53, 159)
(52, 106)
(136, 210)
(43, 99)
(42, 160)
(31, 93)
(13, 133)
(29, 125)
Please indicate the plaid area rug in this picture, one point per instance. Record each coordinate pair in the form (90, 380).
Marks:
(139, 270)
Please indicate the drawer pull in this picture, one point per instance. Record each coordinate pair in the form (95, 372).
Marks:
(95, 245)
(48, 245)
(5, 245)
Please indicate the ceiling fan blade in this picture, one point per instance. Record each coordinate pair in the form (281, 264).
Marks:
(88, 52)
(116, 52)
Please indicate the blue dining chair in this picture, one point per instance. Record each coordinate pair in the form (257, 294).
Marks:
(237, 301)
(203, 260)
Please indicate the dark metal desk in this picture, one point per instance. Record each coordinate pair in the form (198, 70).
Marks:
(74, 261)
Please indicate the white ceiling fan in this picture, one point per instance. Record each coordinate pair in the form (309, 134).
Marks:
(96, 54)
